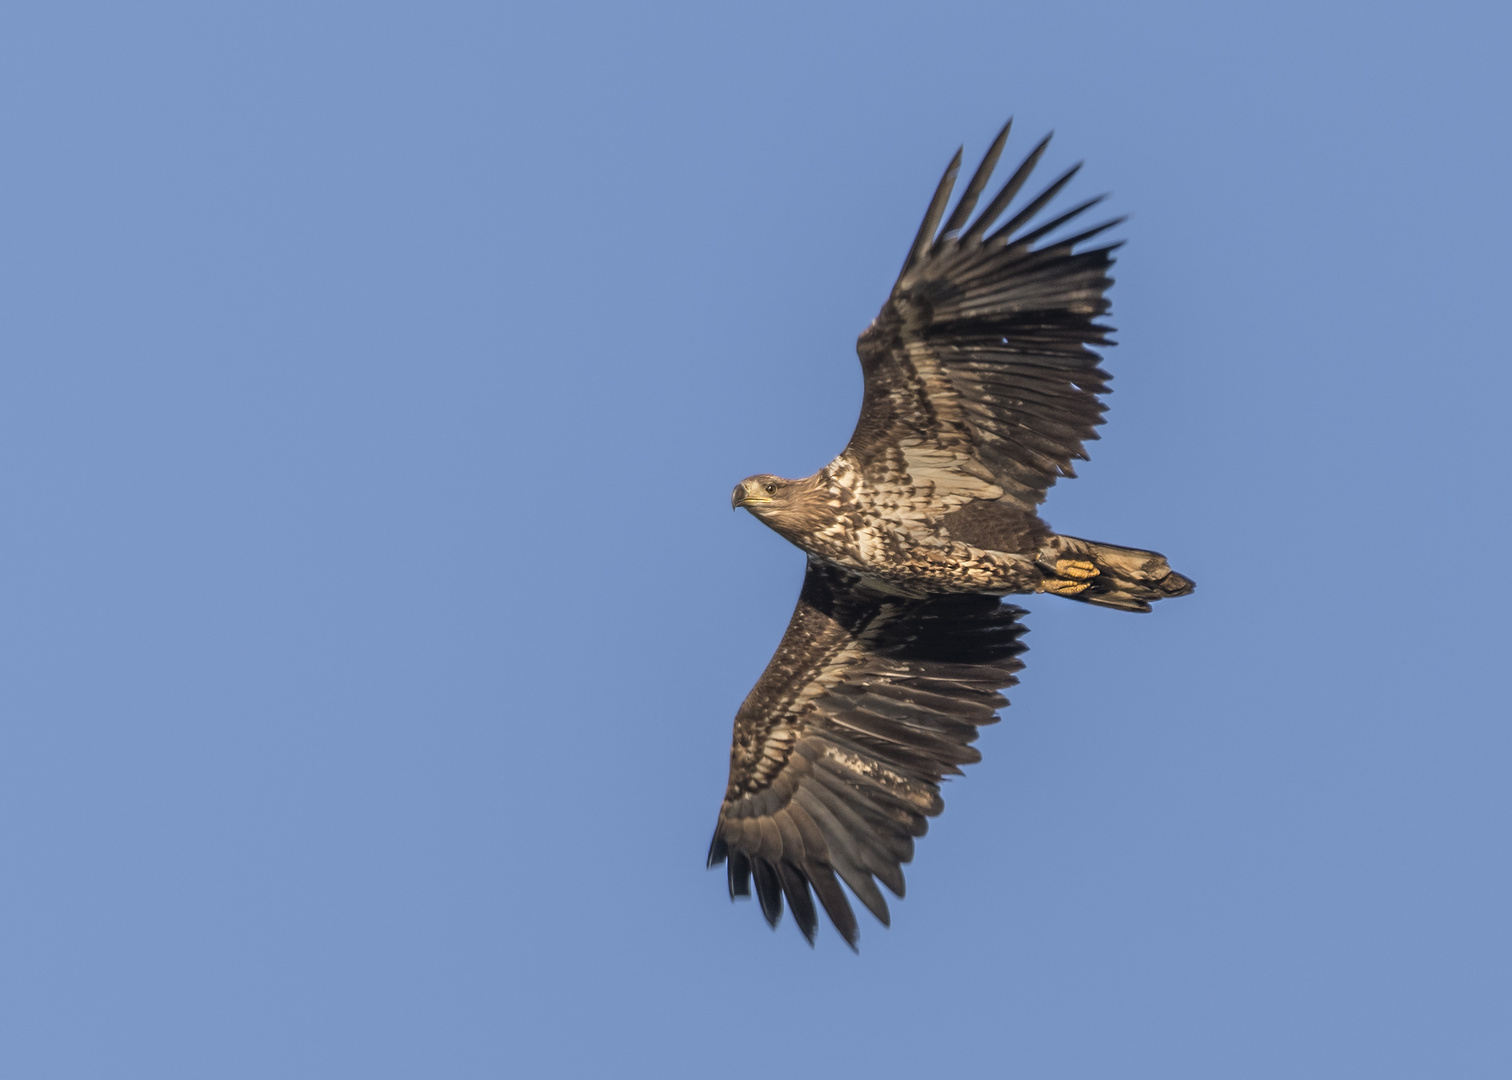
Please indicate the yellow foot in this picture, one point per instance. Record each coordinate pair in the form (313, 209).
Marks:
(1079, 569)
(1062, 587)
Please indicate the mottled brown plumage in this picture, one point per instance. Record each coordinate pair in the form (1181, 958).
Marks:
(981, 389)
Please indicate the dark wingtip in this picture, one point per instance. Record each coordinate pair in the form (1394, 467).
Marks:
(1005, 195)
(768, 891)
(836, 906)
(799, 901)
(964, 207)
(1029, 239)
(738, 874)
(1005, 234)
(933, 215)
(718, 851)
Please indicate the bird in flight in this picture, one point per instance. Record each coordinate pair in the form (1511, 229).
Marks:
(981, 387)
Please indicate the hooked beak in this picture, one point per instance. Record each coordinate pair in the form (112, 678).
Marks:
(743, 497)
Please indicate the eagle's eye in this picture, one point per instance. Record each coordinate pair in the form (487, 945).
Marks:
(771, 489)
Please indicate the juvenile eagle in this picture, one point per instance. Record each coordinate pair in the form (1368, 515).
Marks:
(980, 390)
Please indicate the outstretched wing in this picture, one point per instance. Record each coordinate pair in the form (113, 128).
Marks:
(978, 370)
(840, 747)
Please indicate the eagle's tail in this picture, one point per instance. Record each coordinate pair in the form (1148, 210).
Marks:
(1116, 577)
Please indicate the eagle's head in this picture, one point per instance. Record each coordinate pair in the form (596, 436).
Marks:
(763, 494)
(782, 504)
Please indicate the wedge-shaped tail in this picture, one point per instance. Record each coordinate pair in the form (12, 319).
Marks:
(1118, 577)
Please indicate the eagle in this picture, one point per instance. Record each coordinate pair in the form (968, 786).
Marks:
(982, 386)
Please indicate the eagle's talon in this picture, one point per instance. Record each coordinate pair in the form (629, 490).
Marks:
(1075, 568)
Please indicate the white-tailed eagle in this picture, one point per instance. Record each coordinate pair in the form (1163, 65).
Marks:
(981, 387)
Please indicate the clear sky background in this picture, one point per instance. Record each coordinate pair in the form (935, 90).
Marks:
(372, 614)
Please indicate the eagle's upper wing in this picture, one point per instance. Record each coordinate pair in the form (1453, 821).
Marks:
(978, 371)
(840, 747)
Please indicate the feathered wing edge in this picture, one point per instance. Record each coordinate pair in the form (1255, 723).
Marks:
(929, 243)
(839, 749)
(1003, 325)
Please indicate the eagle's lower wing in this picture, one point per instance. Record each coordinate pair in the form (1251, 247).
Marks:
(978, 371)
(840, 747)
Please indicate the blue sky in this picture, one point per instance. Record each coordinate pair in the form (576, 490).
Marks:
(372, 614)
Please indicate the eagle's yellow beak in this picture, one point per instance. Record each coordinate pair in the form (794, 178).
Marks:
(743, 497)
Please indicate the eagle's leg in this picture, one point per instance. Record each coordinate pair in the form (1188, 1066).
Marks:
(1119, 577)
(1002, 572)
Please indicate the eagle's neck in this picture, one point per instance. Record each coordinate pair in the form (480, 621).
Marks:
(815, 517)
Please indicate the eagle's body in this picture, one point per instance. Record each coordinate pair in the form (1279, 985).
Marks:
(887, 535)
(980, 390)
